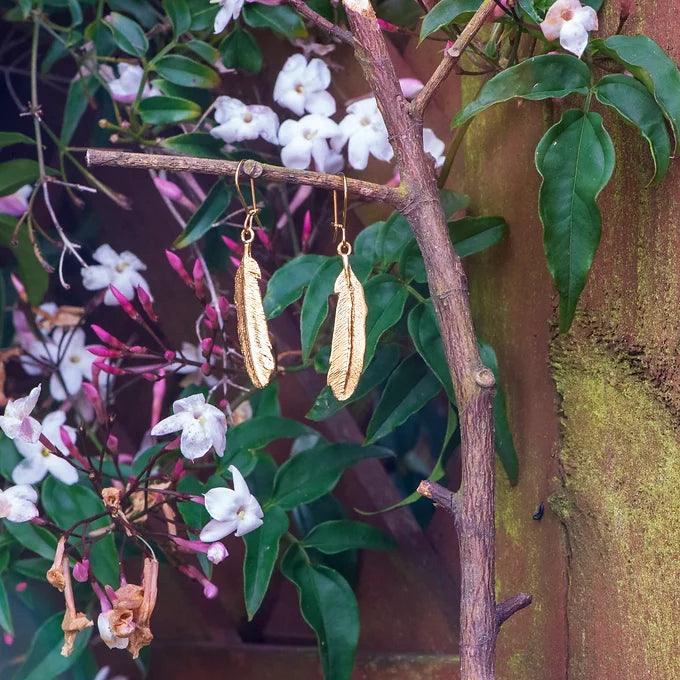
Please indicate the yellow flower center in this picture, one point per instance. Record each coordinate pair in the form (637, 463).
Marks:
(247, 117)
(45, 452)
(121, 267)
(299, 88)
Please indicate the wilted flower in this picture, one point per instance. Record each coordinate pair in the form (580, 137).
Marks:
(302, 86)
(17, 422)
(17, 503)
(239, 122)
(202, 425)
(232, 510)
(305, 139)
(121, 271)
(39, 460)
(569, 21)
(16, 204)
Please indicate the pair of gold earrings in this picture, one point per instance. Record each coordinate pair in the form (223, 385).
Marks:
(349, 330)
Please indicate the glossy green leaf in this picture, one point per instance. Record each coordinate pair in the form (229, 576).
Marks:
(17, 172)
(529, 9)
(262, 550)
(240, 50)
(127, 34)
(408, 389)
(544, 77)
(505, 446)
(385, 299)
(204, 98)
(447, 12)
(162, 110)
(313, 473)
(278, 18)
(452, 202)
(209, 212)
(44, 659)
(651, 66)
(10, 138)
(471, 235)
(180, 15)
(329, 606)
(289, 281)
(635, 104)
(186, 72)
(384, 362)
(257, 432)
(199, 144)
(80, 92)
(35, 538)
(575, 157)
(365, 244)
(393, 237)
(32, 567)
(142, 10)
(5, 612)
(424, 331)
(344, 534)
(194, 514)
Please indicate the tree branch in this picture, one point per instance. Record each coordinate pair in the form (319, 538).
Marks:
(441, 496)
(314, 17)
(508, 607)
(274, 173)
(451, 57)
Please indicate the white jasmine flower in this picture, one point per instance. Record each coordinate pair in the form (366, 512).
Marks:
(301, 86)
(569, 21)
(110, 639)
(217, 553)
(17, 503)
(434, 146)
(69, 353)
(230, 9)
(121, 271)
(16, 204)
(363, 129)
(39, 460)
(124, 88)
(202, 425)
(232, 510)
(239, 122)
(193, 374)
(305, 139)
(17, 422)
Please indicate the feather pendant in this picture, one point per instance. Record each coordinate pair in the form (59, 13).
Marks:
(251, 321)
(349, 335)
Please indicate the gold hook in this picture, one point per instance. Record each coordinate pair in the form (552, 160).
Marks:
(340, 225)
(251, 212)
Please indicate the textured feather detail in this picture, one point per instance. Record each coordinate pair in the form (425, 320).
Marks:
(349, 336)
(251, 321)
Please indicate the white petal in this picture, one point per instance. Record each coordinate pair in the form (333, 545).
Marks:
(240, 486)
(317, 75)
(29, 471)
(228, 107)
(29, 430)
(292, 99)
(71, 378)
(553, 22)
(173, 423)
(222, 18)
(190, 403)
(221, 503)
(217, 432)
(357, 151)
(381, 147)
(215, 530)
(587, 17)
(297, 153)
(320, 151)
(195, 441)
(22, 407)
(573, 37)
(96, 277)
(236, 130)
(324, 127)
(61, 469)
(105, 254)
(22, 491)
(10, 426)
(123, 282)
(252, 518)
(288, 131)
(322, 103)
(57, 390)
(22, 511)
(267, 122)
(132, 260)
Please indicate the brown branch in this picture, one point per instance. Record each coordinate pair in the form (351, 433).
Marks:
(314, 17)
(273, 173)
(441, 496)
(451, 57)
(508, 607)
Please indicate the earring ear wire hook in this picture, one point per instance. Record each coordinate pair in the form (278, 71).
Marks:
(342, 226)
(252, 212)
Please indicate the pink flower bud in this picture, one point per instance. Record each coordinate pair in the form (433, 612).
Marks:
(206, 346)
(21, 586)
(138, 349)
(177, 265)
(208, 324)
(112, 443)
(210, 313)
(108, 368)
(92, 395)
(104, 352)
(81, 570)
(106, 337)
(178, 470)
(306, 228)
(223, 304)
(205, 369)
(217, 553)
(168, 189)
(235, 261)
(157, 401)
(125, 304)
(199, 279)
(233, 245)
(65, 437)
(387, 26)
(210, 590)
(170, 356)
(8, 638)
(146, 302)
(149, 377)
(264, 238)
(19, 287)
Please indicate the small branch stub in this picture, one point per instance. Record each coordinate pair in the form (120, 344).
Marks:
(508, 607)
(441, 496)
(484, 377)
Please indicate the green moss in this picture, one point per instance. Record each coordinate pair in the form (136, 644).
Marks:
(621, 510)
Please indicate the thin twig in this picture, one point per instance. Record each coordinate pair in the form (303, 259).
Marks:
(314, 17)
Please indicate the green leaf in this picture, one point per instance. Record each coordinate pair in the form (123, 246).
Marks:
(313, 473)
(651, 66)
(505, 447)
(127, 34)
(447, 12)
(385, 299)
(199, 144)
(240, 50)
(471, 235)
(44, 659)
(393, 237)
(10, 138)
(257, 432)
(530, 10)
(424, 331)
(262, 550)
(144, 458)
(408, 389)
(343, 534)
(279, 18)
(384, 362)
(289, 281)
(366, 242)
(635, 104)
(194, 514)
(5, 612)
(329, 606)
(33, 537)
(575, 157)
(180, 15)
(203, 49)
(17, 172)
(142, 10)
(80, 92)
(186, 72)
(31, 273)
(452, 202)
(33, 567)
(548, 76)
(162, 110)
(216, 202)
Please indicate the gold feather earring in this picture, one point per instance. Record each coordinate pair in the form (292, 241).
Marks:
(253, 334)
(349, 330)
